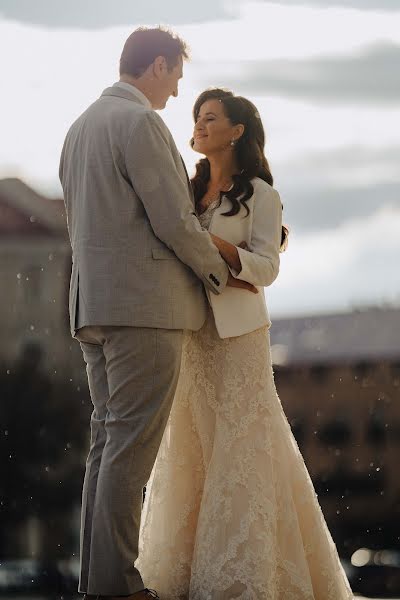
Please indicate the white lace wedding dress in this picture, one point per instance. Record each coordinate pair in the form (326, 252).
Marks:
(230, 510)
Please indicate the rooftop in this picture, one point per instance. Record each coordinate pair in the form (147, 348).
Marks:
(24, 211)
(362, 335)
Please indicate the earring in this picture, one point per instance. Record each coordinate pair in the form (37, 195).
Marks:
(232, 142)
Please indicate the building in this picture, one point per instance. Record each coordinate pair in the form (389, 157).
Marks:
(35, 264)
(45, 404)
(338, 377)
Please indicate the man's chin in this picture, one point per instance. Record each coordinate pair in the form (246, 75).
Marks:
(160, 105)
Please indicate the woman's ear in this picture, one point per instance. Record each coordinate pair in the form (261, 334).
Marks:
(239, 130)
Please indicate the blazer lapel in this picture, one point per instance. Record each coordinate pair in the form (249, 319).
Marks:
(188, 180)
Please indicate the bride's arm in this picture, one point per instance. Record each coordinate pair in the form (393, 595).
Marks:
(228, 251)
(259, 264)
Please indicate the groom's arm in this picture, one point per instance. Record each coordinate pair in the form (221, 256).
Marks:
(155, 179)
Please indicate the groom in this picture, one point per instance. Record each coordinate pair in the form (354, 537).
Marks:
(140, 259)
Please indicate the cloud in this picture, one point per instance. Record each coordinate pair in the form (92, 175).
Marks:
(99, 14)
(354, 264)
(351, 159)
(325, 190)
(377, 5)
(321, 207)
(370, 77)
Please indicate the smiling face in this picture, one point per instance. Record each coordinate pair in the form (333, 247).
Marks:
(213, 131)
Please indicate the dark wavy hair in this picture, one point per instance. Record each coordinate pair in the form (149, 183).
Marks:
(249, 152)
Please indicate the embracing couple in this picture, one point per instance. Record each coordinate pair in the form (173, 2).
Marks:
(167, 302)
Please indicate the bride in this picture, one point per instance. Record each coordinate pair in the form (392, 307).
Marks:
(230, 510)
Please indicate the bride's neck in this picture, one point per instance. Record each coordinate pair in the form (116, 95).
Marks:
(221, 170)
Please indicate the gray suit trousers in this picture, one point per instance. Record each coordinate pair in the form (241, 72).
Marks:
(132, 374)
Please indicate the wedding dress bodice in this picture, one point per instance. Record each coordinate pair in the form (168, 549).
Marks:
(206, 216)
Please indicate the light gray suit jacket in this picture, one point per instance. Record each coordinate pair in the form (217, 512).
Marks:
(140, 256)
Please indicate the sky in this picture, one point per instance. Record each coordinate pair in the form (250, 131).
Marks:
(324, 75)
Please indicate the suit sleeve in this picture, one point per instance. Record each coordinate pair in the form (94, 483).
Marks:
(152, 170)
(261, 266)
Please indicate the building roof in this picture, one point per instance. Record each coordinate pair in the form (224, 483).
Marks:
(366, 335)
(24, 211)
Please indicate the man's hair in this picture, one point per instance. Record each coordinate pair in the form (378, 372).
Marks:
(144, 45)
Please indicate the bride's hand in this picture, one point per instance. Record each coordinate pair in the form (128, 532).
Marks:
(244, 246)
(238, 283)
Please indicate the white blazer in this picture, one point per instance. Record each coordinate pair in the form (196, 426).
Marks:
(237, 311)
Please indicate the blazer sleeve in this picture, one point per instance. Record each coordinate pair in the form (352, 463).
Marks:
(260, 266)
(165, 196)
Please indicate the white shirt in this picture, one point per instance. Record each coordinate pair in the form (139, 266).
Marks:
(135, 91)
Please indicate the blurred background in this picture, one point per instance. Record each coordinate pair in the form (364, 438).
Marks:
(324, 75)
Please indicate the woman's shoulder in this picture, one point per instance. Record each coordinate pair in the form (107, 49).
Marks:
(264, 191)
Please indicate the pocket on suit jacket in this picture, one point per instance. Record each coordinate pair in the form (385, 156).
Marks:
(163, 254)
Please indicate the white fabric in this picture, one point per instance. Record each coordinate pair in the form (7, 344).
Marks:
(261, 229)
(231, 511)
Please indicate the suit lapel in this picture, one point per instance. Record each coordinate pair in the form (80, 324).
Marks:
(188, 180)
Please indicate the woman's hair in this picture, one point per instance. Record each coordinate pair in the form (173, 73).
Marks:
(249, 151)
(144, 45)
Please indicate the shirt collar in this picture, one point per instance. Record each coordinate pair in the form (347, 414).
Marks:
(135, 91)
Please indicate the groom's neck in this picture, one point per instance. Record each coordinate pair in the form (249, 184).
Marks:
(138, 83)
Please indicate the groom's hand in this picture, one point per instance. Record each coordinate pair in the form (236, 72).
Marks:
(244, 246)
(238, 283)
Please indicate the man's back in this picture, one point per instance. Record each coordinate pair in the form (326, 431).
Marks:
(118, 277)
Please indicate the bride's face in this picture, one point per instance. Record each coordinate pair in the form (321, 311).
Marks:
(213, 131)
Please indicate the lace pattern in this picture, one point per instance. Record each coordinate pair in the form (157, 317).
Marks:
(230, 510)
(206, 216)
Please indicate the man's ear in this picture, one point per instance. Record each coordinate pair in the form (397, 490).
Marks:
(159, 66)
